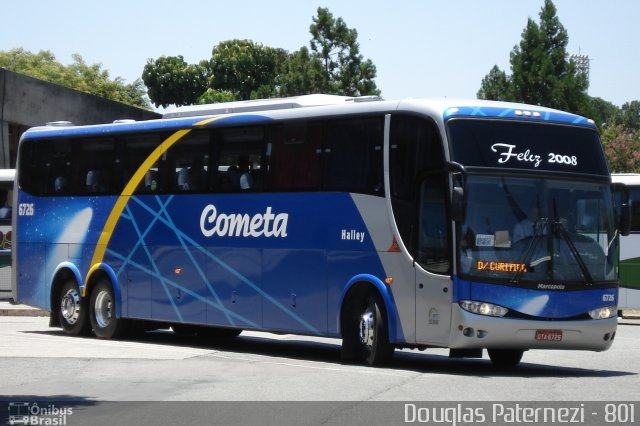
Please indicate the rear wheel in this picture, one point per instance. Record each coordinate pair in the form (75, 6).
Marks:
(505, 358)
(72, 310)
(102, 311)
(366, 334)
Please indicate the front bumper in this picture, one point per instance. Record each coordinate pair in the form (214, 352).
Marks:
(470, 330)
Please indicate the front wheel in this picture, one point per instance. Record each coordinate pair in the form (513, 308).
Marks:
(72, 310)
(366, 334)
(102, 310)
(505, 358)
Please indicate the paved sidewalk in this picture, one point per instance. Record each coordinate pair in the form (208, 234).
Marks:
(7, 309)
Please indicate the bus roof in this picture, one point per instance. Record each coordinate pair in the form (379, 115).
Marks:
(303, 101)
(626, 178)
(308, 106)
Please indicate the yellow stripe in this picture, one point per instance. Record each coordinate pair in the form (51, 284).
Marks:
(207, 121)
(121, 202)
(123, 199)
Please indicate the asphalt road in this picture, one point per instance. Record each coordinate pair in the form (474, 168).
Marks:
(41, 362)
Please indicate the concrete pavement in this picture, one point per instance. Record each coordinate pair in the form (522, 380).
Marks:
(8, 309)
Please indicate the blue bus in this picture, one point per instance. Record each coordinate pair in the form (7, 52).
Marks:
(467, 225)
(6, 198)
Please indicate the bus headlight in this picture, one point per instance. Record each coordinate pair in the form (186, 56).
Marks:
(603, 313)
(483, 308)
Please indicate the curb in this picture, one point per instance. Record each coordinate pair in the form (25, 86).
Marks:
(23, 312)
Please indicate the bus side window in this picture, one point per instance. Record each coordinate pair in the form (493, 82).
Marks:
(6, 199)
(352, 156)
(415, 150)
(433, 245)
(239, 159)
(137, 149)
(634, 199)
(294, 158)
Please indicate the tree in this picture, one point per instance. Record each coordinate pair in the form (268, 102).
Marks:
(496, 86)
(300, 74)
(170, 80)
(541, 72)
(211, 96)
(603, 112)
(344, 70)
(630, 115)
(79, 75)
(244, 68)
(622, 148)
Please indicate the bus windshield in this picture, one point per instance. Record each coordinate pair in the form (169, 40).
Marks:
(540, 231)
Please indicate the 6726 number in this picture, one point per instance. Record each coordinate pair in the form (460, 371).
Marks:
(25, 209)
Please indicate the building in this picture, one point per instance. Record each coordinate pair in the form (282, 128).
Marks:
(26, 102)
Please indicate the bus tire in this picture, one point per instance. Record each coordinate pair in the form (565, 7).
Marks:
(505, 358)
(367, 334)
(102, 311)
(73, 310)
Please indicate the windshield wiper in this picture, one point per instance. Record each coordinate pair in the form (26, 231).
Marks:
(539, 227)
(562, 231)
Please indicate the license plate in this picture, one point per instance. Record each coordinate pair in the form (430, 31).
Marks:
(549, 335)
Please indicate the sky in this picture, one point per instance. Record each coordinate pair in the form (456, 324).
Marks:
(421, 48)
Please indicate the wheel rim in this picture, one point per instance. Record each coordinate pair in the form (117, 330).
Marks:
(103, 309)
(70, 306)
(367, 329)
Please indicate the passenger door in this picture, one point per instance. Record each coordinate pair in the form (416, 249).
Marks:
(433, 263)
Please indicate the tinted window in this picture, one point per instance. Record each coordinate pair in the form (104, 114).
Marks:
(187, 163)
(634, 198)
(352, 155)
(434, 253)
(85, 166)
(415, 150)
(239, 158)
(294, 157)
(6, 200)
(333, 155)
(534, 146)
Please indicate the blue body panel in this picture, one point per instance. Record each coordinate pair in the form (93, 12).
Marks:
(275, 261)
(542, 114)
(541, 304)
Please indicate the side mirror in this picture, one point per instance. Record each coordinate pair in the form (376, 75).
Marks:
(458, 200)
(458, 204)
(625, 220)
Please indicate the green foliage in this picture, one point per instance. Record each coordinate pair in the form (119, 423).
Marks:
(344, 70)
(603, 112)
(243, 69)
(170, 80)
(541, 73)
(79, 75)
(496, 86)
(630, 115)
(622, 148)
(300, 74)
(211, 96)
